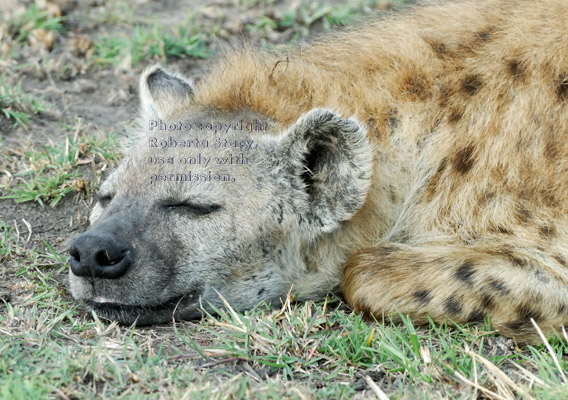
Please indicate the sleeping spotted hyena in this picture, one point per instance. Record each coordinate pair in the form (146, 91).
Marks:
(419, 164)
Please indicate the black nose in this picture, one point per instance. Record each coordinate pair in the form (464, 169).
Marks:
(100, 256)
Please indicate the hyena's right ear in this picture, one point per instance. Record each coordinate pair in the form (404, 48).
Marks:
(331, 159)
(162, 92)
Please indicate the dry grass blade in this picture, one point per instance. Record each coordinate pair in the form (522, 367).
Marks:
(29, 226)
(285, 305)
(425, 354)
(552, 354)
(376, 389)
(489, 393)
(498, 376)
(230, 309)
(529, 375)
(228, 326)
(59, 392)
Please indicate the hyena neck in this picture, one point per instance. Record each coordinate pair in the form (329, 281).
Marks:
(326, 257)
(280, 87)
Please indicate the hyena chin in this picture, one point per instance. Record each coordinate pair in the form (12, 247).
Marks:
(418, 164)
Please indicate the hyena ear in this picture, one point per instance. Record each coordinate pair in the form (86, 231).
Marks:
(162, 92)
(331, 159)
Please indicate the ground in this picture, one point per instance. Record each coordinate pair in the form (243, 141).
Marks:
(68, 95)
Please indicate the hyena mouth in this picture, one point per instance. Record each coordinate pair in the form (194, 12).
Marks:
(144, 314)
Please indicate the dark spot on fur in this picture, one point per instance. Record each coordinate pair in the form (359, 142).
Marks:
(438, 48)
(523, 214)
(520, 262)
(317, 220)
(562, 88)
(422, 296)
(527, 311)
(547, 231)
(463, 160)
(455, 115)
(393, 119)
(487, 301)
(499, 286)
(551, 149)
(516, 325)
(260, 292)
(485, 35)
(435, 179)
(548, 198)
(514, 258)
(452, 306)
(465, 272)
(562, 309)
(541, 276)
(392, 194)
(515, 69)
(394, 123)
(477, 316)
(281, 215)
(485, 198)
(561, 260)
(471, 84)
(416, 87)
(503, 230)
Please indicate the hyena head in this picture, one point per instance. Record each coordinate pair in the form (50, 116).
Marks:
(226, 207)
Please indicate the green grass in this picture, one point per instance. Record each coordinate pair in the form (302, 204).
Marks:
(305, 17)
(309, 340)
(48, 173)
(320, 350)
(152, 42)
(21, 25)
(147, 41)
(50, 348)
(16, 105)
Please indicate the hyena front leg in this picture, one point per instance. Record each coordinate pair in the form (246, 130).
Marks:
(464, 283)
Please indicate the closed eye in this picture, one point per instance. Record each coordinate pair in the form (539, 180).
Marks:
(194, 209)
(103, 199)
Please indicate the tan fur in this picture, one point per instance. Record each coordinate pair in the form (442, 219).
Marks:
(419, 163)
(466, 104)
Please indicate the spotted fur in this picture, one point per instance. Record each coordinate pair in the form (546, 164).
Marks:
(417, 163)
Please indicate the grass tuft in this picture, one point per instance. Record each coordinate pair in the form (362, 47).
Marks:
(23, 24)
(51, 172)
(16, 105)
(152, 42)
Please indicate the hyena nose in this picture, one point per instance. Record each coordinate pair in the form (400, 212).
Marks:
(100, 257)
